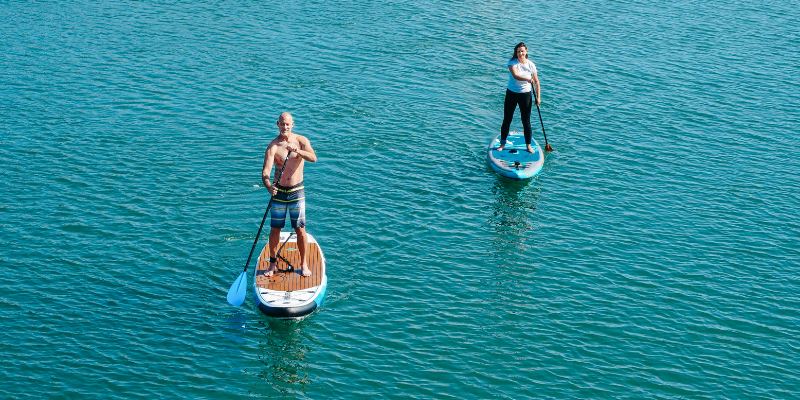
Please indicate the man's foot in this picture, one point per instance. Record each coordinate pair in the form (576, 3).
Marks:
(305, 271)
(529, 149)
(271, 269)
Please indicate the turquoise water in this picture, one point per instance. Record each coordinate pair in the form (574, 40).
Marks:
(656, 256)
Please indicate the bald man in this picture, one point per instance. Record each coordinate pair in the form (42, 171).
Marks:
(288, 195)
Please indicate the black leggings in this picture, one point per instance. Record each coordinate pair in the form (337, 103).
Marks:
(525, 101)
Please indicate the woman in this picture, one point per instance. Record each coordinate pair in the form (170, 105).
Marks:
(522, 76)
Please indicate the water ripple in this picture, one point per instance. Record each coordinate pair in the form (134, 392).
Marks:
(654, 257)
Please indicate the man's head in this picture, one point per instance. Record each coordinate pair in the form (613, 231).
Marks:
(285, 123)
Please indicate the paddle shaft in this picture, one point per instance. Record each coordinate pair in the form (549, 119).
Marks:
(278, 253)
(546, 145)
(264, 218)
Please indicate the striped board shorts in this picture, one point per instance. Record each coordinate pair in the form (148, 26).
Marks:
(289, 199)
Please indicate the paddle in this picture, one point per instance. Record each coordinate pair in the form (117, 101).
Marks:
(238, 289)
(547, 146)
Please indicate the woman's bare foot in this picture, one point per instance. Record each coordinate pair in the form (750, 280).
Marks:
(305, 271)
(530, 149)
(501, 147)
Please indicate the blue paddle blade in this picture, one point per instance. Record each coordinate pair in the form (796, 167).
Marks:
(238, 290)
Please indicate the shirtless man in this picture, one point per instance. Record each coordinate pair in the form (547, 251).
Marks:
(288, 194)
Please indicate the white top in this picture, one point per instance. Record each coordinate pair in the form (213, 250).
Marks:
(526, 70)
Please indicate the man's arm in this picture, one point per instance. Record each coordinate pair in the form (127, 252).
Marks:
(269, 160)
(305, 150)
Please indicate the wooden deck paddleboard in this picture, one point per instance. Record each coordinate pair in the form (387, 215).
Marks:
(288, 294)
(514, 161)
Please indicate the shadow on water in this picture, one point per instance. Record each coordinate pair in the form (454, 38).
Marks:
(512, 212)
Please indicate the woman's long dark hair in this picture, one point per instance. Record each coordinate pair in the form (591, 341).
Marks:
(520, 44)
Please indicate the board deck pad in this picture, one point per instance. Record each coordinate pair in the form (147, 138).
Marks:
(288, 281)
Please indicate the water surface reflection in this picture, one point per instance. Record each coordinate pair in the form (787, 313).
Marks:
(282, 353)
(512, 214)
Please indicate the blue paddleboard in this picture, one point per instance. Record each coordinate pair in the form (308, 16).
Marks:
(514, 161)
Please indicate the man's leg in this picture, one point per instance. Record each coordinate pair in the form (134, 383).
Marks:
(302, 245)
(297, 214)
(274, 239)
(276, 222)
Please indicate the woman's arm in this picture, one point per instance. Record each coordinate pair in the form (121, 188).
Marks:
(535, 82)
(517, 75)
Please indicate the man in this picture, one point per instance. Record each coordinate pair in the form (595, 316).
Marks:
(288, 194)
